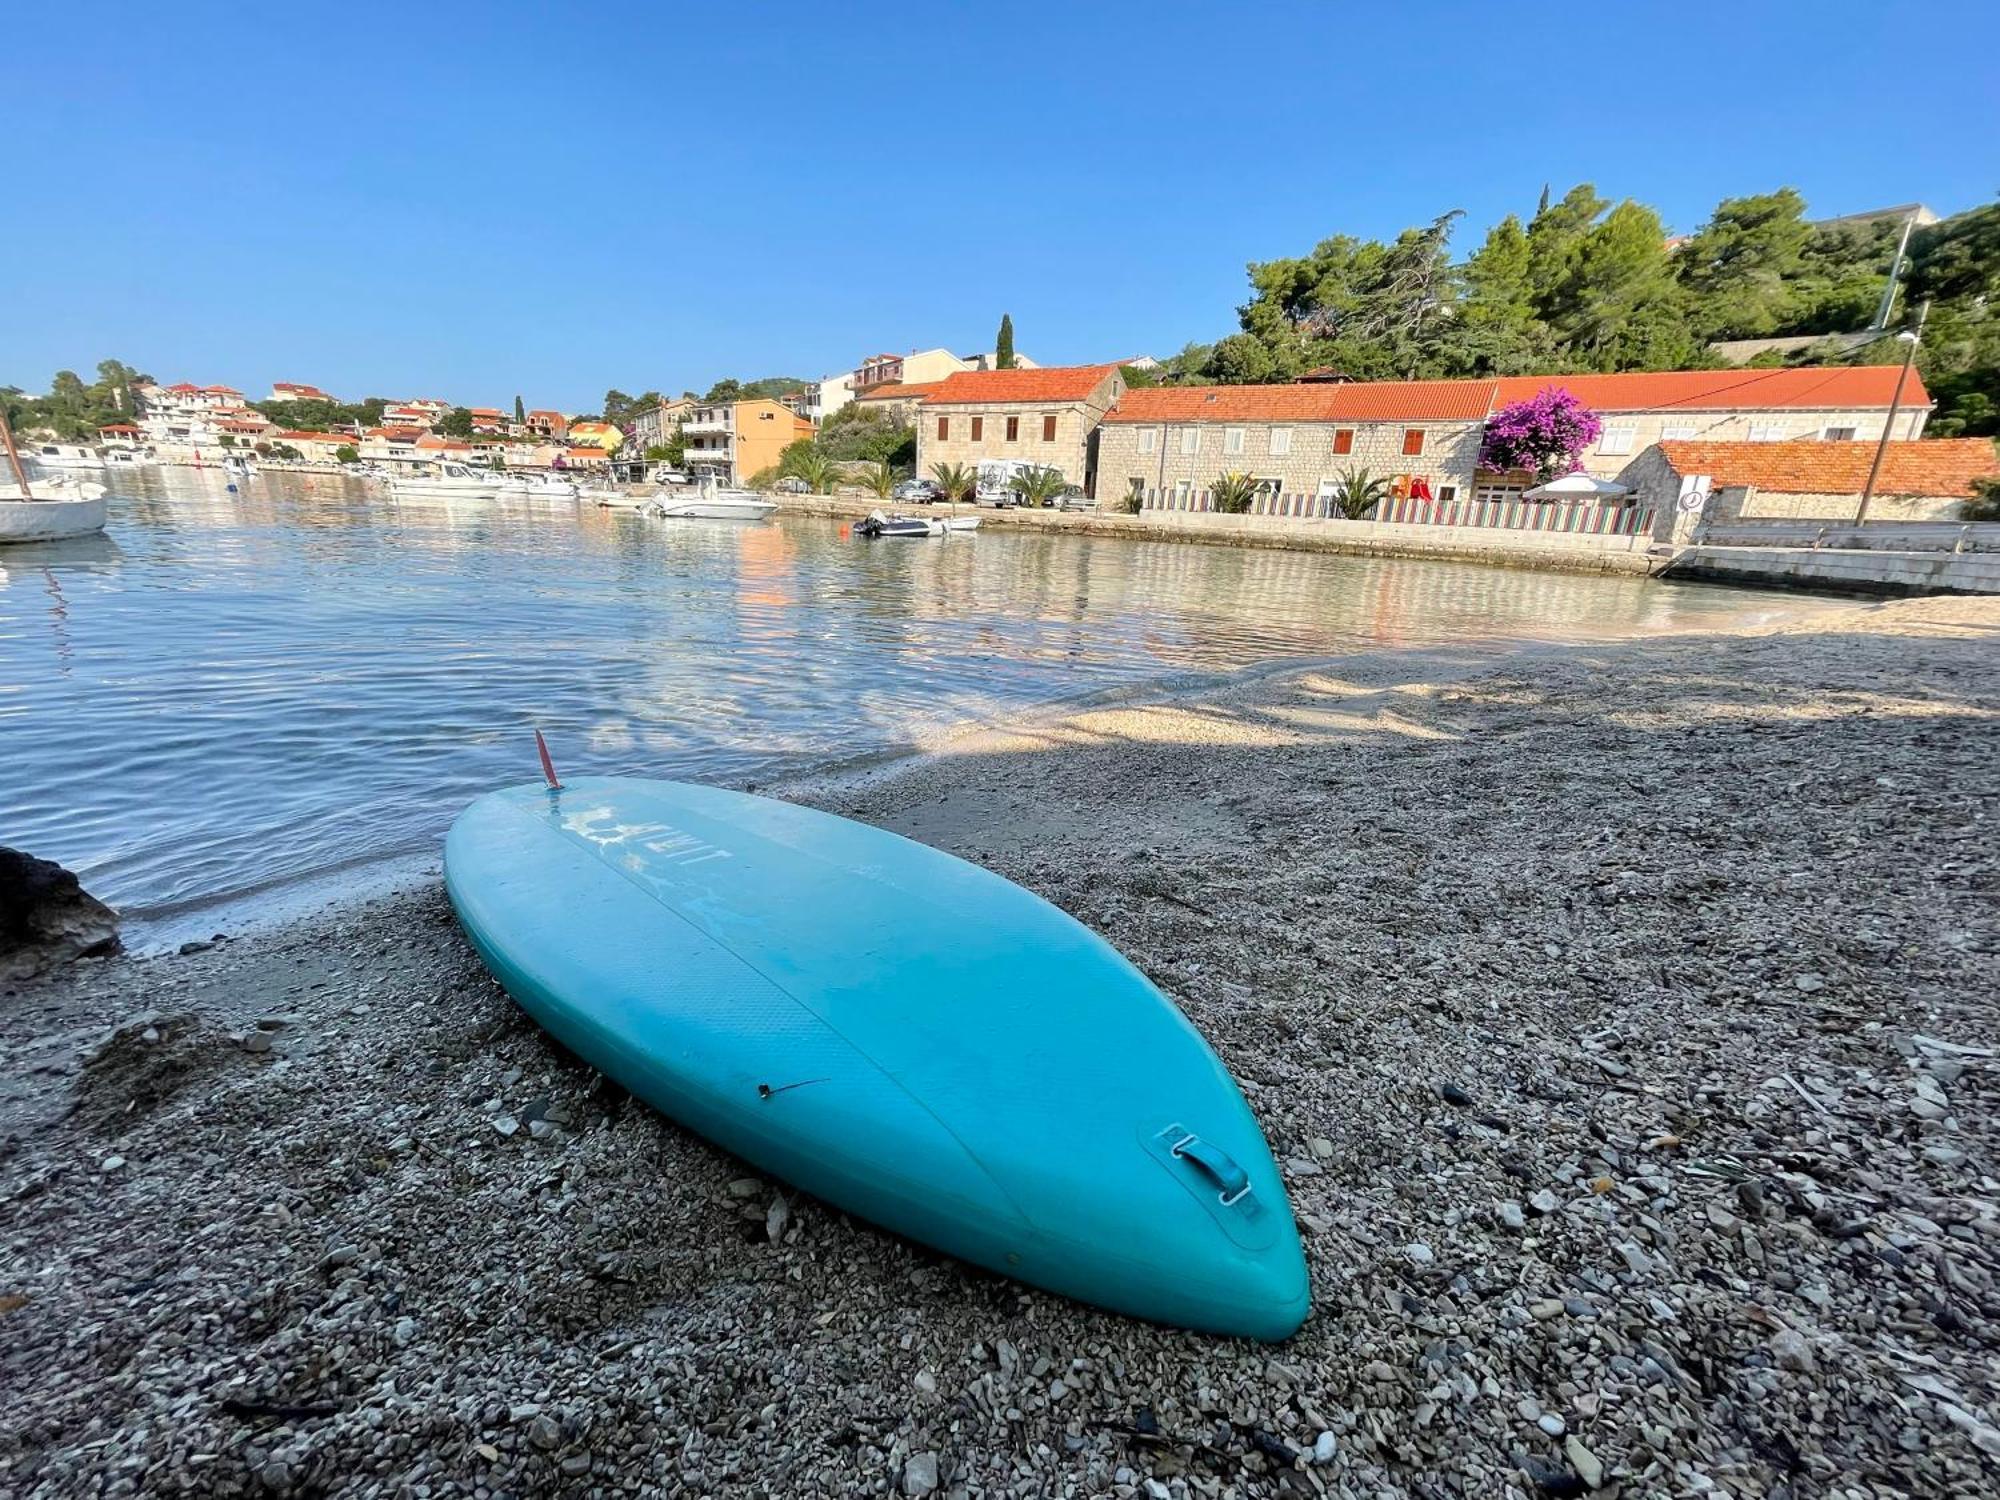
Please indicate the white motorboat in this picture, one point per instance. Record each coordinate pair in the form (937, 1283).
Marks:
(961, 523)
(64, 456)
(51, 510)
(876, 524)
(238, 468)
(126, 455)
(448, 481)
(716, 505)
(543, 486)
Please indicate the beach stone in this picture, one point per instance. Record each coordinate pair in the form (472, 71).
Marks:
(1792, 1352)
(1326, 1447)
(1586, 1464)
(47, 918)
(1552, 1424)
(920, 1474)
(1544, 1202)
(1509, 1215)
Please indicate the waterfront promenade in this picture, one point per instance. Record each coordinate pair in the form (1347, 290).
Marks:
(1621, 1015)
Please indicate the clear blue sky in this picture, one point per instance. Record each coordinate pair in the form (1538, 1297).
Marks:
(417, 200)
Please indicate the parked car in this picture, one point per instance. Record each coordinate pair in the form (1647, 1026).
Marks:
(665, 474)
(791, 485)
(1074, 498)
(917, 492)
(996, 482)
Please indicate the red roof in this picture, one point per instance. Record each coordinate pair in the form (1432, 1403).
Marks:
(117, 427)
(896, 390)
(486, 411)
(220, 390)
(1926, 466)
(312, 437)
(998, 387)
(1840, 389)
(228, 426)
(185, 388)
(438, 444)
(397, 434)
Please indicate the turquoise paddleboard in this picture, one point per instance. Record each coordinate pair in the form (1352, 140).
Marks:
(905, 1035)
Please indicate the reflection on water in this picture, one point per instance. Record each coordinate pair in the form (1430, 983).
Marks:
(228, 690)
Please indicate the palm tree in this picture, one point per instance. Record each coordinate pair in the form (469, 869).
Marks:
(1359, 492)
(956, 480)
(879, 478)
(1038, 486)
(812, 468)
(1233, 494)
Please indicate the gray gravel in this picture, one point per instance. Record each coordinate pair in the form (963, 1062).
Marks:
(1623, 1019)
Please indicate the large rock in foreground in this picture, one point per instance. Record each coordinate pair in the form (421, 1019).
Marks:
(47, 917)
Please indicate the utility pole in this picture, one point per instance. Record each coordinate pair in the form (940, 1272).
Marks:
(1911, 339)
(1895, 267)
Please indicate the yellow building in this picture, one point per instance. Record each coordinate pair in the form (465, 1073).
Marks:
(734, 440)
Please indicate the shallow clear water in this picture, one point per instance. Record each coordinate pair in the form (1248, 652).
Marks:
(228, 691)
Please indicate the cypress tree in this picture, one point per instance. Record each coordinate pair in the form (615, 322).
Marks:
(1003, 344)
(520, 411)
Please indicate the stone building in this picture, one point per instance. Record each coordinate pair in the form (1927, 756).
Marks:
(1745, 484)
(1048, 417)
(1172, 443)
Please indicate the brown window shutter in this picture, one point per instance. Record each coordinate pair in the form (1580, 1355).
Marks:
(978, 428)
(1343, 440)
(1048, 427)
(1413, 441)
(944, 428)
(1013, 428)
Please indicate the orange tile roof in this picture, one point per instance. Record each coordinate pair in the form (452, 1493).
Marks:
(1839, 387)
(1925, 466)
(1842, 389)
(117, 427)
(896, 390)
(437, 444)
(997, 387)
(486, 411)
(312, 437)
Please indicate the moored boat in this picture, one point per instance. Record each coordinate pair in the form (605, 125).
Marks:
(876, 524)
(718, 505)
(449, 481)
(50, 510)
(64, 456)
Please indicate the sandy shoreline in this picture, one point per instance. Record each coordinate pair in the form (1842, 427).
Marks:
(1621, 1015)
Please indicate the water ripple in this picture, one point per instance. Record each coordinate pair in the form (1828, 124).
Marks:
(227, 691)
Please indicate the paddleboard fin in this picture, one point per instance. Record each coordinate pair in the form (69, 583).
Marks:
(548, 766)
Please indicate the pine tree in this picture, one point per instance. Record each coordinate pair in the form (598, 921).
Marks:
(1003, 343)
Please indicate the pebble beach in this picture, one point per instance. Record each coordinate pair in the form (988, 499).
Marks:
(1623, 1019)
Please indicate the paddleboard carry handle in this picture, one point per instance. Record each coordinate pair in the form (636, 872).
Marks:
(1219, 1166)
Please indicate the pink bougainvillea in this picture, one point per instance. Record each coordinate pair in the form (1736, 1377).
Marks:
(1546, 435)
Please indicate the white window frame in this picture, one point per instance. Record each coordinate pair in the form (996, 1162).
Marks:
(1190, 440)
(1232, 440)
(1679, 432)
(1146, 437)
(1768, 432)
(1615, 442)
(1848, 433)
(1281, 442)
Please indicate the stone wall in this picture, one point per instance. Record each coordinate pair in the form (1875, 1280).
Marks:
(1450, 456)
(1851, 571)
